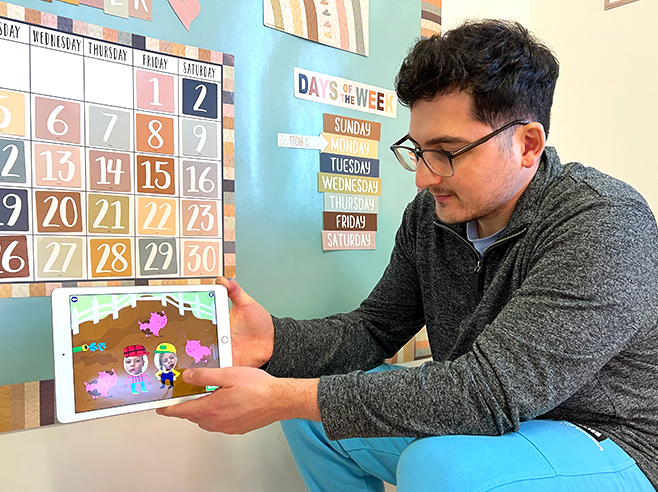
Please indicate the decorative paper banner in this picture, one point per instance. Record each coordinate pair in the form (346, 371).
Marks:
(350, 203)
(186, 10)
(334, 240)
(351, 166)
(120, 8)
(342, 24)
(344, 93)
(342, 125)
(140, 9)
(341, 164)
(430, 18)
(337, 183)
(342, 221)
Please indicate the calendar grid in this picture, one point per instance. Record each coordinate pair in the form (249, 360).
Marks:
(194, 238)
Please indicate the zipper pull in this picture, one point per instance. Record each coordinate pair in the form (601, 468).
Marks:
(476, 276)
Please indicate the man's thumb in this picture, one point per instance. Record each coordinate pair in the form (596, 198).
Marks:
(235, 293)
(203, 377)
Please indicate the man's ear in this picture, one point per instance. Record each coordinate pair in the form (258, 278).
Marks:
(532, 140)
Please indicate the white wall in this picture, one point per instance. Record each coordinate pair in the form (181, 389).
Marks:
(605, 113)
(606, 105)
(173, 455)
(455, 11)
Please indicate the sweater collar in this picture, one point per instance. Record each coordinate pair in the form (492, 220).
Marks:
(528, 204)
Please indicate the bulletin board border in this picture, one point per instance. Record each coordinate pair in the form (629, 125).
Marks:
(72, 26)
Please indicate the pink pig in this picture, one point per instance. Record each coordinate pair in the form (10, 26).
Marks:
(99, 387)
(156, 322)
(194, 349)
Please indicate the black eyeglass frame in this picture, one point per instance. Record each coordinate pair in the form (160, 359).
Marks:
(418, 152)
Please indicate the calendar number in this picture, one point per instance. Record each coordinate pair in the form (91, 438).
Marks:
(201, 259)
(12, 161)
(156, 216)
(14, 214)
(155, 91)
(110, 258)
(199, 218)
(53, 122)
(158, 257)
(109, 128)
(12, 113)
(58, 211)
(155, 134)
(109, 171)
(6, 114)
(56, 119)
(109, 214)
(199, 138)
(200, 98)
(57, 165)
(200, 179)
(14, 260)
(59, 257)
(156, 175)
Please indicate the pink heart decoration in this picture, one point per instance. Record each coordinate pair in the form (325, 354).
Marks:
(186, 10)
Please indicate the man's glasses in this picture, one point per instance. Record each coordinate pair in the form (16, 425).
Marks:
(438, 161)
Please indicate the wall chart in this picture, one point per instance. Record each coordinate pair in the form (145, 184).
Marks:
(116, 157)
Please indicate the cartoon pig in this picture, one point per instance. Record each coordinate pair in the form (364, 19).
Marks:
(194, 349)
(99, 387)
(156, 322)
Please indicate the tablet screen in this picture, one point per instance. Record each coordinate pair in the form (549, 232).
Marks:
(134, 347)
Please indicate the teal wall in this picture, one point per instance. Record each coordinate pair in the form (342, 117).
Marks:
(280, 261)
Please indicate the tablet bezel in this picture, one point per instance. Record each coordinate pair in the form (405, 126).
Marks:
(63, 346)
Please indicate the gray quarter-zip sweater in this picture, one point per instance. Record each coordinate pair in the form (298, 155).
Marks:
(558, 320)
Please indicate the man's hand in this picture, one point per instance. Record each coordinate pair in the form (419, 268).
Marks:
(247, 399)
(252, 330)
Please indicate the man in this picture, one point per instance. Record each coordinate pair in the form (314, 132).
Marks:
(536, 281)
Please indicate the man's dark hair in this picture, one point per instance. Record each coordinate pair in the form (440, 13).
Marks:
(506, 70)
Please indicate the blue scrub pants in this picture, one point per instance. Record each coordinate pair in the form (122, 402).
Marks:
(544, 455)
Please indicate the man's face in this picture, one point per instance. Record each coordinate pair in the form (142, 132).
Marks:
(134, 365)
(168, 361)
(487, 181)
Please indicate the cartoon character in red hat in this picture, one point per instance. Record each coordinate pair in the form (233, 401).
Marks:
(135, 363)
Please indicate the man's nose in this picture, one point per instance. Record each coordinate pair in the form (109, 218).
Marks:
(426, 178)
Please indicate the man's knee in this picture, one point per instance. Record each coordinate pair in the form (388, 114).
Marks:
(428, 462)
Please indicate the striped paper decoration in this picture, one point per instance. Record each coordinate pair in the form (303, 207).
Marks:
(342, 24)
(27, 405)
(416, 348)
(430, 18)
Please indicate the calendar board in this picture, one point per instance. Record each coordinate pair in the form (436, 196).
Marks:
(116, 157)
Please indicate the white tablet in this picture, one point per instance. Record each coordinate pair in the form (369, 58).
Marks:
(124, 349)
